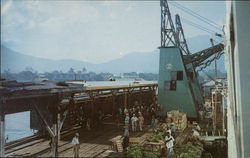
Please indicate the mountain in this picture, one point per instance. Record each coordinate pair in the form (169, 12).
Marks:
(132, 62)
(17, 62)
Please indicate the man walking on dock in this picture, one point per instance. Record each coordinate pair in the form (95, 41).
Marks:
(169, 144)
(134, 120)
(127, 120)
(126, 137)
(141, 120)
(154, 124)
(76, 147)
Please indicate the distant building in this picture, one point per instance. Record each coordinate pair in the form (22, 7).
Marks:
(209, 85)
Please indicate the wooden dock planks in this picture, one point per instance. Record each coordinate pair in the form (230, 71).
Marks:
(92, 143)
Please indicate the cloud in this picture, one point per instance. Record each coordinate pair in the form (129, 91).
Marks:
(129, 8)
(6, 6)
(32, 14)
(110, 3)
(84, 30)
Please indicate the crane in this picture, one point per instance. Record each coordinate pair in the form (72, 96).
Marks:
(178, 86)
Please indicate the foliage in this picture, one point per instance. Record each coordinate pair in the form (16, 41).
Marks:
(189, 150)
(157, 137)
(134, 151)
(147, 154)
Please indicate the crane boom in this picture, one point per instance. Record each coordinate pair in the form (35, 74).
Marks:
(180, 36)
(198, 58)
(168, 35)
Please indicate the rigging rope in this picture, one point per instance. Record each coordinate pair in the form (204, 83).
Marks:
(211, 23)
(198, 26)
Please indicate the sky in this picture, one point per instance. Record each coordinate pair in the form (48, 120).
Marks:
(94, 31)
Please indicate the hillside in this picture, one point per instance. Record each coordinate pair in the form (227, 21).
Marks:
(136, 61)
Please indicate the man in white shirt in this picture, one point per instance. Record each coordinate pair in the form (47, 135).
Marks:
(134, 120)
(76, 147)
(169, 144)
(141, 120)
(196, 133)
(197, 127)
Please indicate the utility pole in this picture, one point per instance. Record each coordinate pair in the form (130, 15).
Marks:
(215, 62)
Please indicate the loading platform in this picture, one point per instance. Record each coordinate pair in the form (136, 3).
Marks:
(56, 108)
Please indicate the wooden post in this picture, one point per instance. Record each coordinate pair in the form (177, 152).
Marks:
(113, 104)
(53, 144)
(92, 96)
(154, 94)
(60, 124)
(55, 128)
(140, 96)
(128, 97)
(125, 98)
(2, 133)
(53, 132)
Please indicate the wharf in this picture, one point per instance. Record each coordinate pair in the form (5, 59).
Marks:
(93, 143)
(55, 107)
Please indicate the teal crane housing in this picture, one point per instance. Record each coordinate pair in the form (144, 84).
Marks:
(176, 85)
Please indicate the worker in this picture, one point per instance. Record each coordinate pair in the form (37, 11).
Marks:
(173, 129)
(125, 110)
(169, 144)
(133, 109)
(196, 133)
(152, 113)
(134, 120)
(50, 144)
(126, 137)
(120, 111)
(197, 127)
(100, 117)
(154, 124)
(76, 147)
(88, 124)
(168, 130)
(127, 120)
(141, 120)
(7, 138)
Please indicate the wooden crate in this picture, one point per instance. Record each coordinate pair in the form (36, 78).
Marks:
(178, 118)
(154, 146)
(116, 143)
(134, 140)
(119, 146)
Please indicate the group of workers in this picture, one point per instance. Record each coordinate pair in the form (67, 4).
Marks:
(133, 118)
(139, 119)
(136, 120)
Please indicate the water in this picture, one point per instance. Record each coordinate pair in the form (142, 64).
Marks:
(18, 124)
(111, 83)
